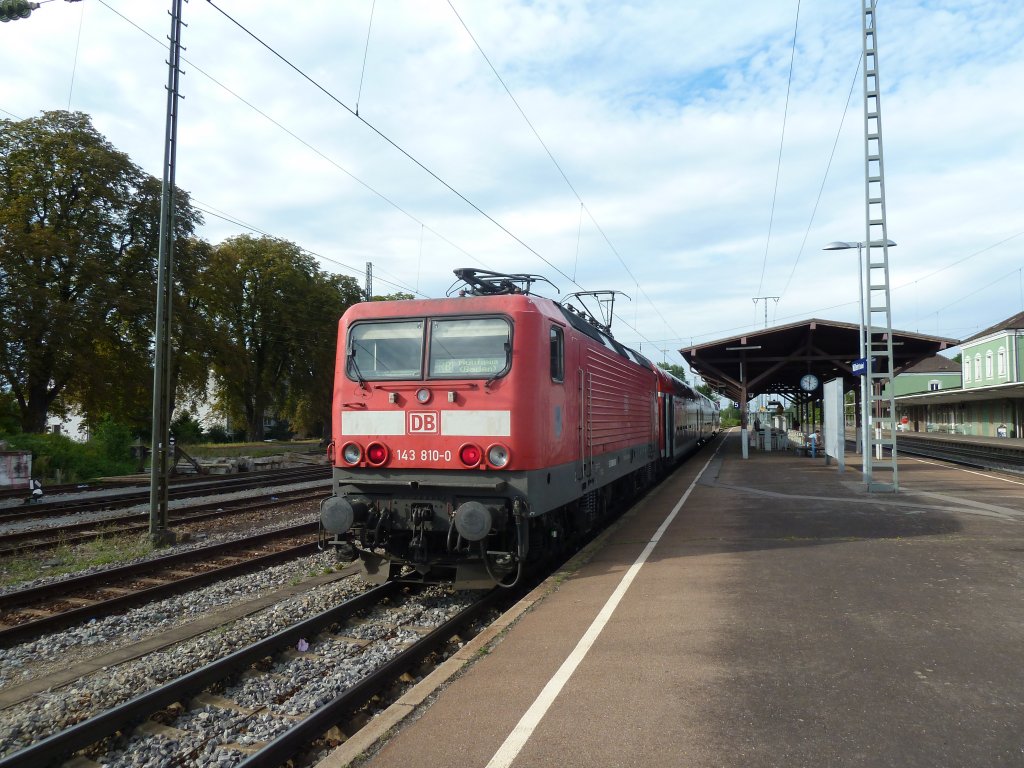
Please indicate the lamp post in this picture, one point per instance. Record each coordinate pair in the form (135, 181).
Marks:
(863, 433)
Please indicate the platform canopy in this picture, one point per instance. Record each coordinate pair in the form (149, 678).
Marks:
(774, 360)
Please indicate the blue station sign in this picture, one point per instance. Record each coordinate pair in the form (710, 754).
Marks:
(859, 366)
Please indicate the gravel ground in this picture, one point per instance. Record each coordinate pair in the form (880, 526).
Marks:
(300, 681)
(297, 683)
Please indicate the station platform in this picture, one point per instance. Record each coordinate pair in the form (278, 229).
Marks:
(758, 612)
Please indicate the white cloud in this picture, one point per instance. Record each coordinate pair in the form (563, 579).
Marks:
(666, 117)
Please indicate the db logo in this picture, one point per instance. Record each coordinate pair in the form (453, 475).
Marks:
(422, 421)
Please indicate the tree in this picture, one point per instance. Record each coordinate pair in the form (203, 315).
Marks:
(78, 242)
(705, 389)
(395, 297)
(274, 317)
(311, 389)
(676, 370)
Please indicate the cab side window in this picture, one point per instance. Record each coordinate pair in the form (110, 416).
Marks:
(557, 354)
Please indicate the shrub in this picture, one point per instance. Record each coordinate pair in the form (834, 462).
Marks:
(187, 430)
(59, 457)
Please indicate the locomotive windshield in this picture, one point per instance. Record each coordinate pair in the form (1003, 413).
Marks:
(379, 351)
(479, 346)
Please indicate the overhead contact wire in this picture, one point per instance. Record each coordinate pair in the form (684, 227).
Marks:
(782, 142)
(366, 51)
(384, 136)
(828, 167)
(302, 141)
(551, 156)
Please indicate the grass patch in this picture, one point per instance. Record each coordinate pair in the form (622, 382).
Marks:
(70, 559)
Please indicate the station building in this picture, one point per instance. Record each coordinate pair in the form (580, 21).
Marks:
(984, 397)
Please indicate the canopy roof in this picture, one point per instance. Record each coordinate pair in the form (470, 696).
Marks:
(772, 361)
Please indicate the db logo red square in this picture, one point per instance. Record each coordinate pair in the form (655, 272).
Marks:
(422, 422)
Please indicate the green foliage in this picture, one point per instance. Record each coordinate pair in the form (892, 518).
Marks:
(279, 430)
(10, 420)
(705, 389)
(58, 456)
(273, 315)
(112, 441)
(395, 297)
(79, 225)
(217, 434)
(729, 416)
(187, 430)
(676, 370)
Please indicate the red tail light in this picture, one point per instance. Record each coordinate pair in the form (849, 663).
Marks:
(376, 454)
(470, 455)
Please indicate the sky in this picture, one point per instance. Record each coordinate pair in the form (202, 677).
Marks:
(686, 153)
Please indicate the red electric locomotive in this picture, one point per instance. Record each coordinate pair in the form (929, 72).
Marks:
(476, 434)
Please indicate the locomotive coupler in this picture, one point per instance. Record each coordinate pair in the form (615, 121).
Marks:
(420, 516)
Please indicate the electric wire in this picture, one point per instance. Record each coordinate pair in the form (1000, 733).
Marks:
(78, 45)
(564, 176)
(824, 178)
(386, 138)
(252, 228)
(366, 51)
(782, 142)
(302, 141)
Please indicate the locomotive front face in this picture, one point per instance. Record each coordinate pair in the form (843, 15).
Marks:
(424, 467)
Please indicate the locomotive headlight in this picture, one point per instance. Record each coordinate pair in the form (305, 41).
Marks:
(497, 456)
(351, 453)
(423, 396)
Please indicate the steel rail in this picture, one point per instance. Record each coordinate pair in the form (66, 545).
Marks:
(30, 629)
(57, 747)
(278, 751)
(980, 456)
(130, 498)
(210, 510)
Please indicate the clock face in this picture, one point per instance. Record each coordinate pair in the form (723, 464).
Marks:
(809, 382)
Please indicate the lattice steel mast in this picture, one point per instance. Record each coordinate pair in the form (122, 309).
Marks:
(881, 405)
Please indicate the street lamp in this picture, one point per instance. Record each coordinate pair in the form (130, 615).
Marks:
(862, 435)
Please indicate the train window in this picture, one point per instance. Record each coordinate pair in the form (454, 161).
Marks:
(557, 354)
(391, 350)
(470, 347)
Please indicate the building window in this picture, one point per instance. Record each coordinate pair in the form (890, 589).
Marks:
(977, 367)
(988, 364)
(934, 385)
(967, 371)
(1001, 361)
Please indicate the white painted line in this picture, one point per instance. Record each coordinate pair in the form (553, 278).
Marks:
(516, 740)
(971, 472)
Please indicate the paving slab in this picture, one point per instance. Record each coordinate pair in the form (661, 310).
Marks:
(785, 617)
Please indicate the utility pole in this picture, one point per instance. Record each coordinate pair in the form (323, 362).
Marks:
(160, 444)
(765, 300)
(369, 281)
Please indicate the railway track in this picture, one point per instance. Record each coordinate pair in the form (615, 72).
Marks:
(36, 539)
(207, 487)
(30, 613)
(361, 660)
(980, 456)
